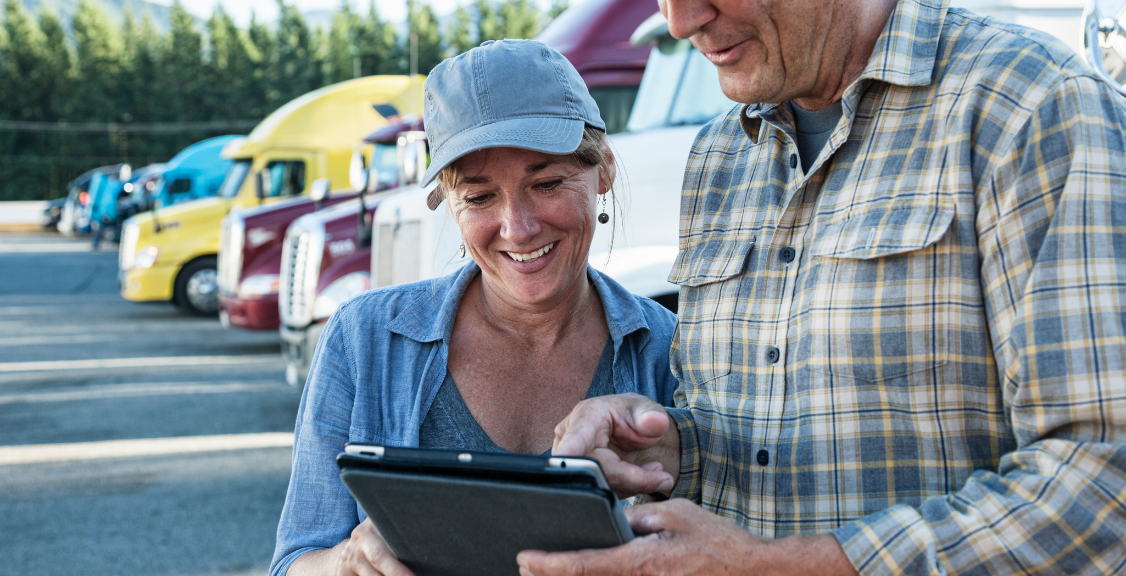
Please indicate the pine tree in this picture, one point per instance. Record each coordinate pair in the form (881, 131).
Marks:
(97, 65)
(264, 56)
(458, 34)
(423, 24)
(343, 52)
(183, 71)
(488, 24)
(519, 19)
(231, 93)
(57, 63)
(298, 67)
(378, 43)
(26, 98)
(557, 8)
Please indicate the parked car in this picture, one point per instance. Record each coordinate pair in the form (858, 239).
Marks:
(170, 254)
(53, 212)
(75, 217)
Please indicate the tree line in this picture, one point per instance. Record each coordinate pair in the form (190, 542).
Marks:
(105, 93)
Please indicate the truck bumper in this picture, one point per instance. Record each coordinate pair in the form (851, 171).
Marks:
(251, 313)
(147, 284)
(298, 345)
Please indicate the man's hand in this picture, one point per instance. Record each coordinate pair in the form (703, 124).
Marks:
(630, 435)
(680, 538)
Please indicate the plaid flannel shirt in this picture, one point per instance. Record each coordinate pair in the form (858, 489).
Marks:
(920, 345)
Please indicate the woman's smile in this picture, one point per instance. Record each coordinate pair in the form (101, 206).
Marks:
(530, 256)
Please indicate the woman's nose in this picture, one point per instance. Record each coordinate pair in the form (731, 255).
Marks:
(520, 223)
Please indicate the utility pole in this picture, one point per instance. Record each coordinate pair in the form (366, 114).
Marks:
(414, 69)
(355, 61)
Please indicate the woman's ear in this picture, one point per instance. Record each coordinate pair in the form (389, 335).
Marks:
(608, 172)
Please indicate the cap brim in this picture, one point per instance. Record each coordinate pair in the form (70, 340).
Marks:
(547, 135)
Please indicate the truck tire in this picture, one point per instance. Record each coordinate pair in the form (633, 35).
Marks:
(197, 288)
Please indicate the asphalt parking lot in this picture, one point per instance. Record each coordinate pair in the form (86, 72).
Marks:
(133, 439)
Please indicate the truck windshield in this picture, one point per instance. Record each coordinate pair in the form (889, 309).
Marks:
(235, 175)
(385, 158)
(680, 87)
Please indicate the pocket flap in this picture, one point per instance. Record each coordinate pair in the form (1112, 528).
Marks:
(710, 260)
(881, 233)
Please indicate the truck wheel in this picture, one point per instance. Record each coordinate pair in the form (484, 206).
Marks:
(197, 288)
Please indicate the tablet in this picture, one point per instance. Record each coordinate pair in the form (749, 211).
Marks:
(447, 512)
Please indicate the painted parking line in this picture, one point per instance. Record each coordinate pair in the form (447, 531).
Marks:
(46, 248)
(144, 389)
(116, 363)
(47, 453)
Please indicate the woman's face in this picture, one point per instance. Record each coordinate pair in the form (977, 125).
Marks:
(527, 219)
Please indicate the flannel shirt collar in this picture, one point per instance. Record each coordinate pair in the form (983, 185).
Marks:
(431, 317)
(904, 55)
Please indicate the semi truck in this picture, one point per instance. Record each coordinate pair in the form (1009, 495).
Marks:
(171, 254)
(250, 248)
(193, 173)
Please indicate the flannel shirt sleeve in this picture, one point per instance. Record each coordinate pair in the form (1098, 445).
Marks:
(1051, 228)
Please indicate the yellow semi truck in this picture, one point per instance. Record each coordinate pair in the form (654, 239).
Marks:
(170, 254)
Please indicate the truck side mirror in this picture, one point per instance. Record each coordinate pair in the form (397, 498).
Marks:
(261, 184)
(1104, 38)
(319, 191)
(357, 171)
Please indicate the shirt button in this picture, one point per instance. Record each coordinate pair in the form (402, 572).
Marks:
(763, 457)
(773, 354)
(787, 254)
(793, 160)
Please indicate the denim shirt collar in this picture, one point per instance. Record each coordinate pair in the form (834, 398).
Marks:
(431, 317)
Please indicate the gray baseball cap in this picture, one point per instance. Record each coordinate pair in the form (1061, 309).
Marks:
(505, 93)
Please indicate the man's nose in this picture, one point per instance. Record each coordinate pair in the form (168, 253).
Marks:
(686, 17)
(520, 222)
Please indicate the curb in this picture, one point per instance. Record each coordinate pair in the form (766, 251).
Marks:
(23, 227)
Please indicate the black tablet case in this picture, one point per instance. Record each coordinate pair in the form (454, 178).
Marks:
(446, 526)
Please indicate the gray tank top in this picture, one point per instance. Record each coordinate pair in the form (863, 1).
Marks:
(449, 424)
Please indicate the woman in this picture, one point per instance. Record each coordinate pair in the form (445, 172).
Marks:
(493, 356)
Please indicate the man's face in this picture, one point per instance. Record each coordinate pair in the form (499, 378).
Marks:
(767, 51)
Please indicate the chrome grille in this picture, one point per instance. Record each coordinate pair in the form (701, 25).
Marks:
(399, 253)
(127, 249)
(231, 235)
(301, 267)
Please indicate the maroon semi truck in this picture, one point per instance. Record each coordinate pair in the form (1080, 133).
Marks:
(250, 246)
(319, 275)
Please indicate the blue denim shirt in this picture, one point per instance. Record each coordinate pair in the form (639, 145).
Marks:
(378, 366)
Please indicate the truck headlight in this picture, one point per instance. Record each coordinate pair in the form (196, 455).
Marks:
(340, 290)
(146, 257)
(259, 285)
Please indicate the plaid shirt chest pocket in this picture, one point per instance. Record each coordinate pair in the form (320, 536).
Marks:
(881, 299)
(709, 273)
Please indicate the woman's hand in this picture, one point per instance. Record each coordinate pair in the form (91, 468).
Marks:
(365, 553)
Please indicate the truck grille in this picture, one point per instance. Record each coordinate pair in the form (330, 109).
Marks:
(127, 250)
(231, 235)
(399, 253)
(301, 267)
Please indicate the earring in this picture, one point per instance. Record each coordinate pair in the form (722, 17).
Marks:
(461, 250)
(604, 217)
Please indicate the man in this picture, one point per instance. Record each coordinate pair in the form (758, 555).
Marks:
(901, 337)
